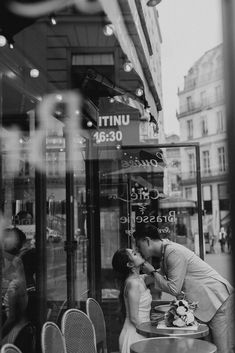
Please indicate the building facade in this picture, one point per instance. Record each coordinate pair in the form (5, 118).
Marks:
(202, 119)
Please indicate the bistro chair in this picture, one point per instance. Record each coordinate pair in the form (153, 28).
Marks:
(63, 308)
(10, 348)
(22, 336)
(52, 339)
(78, 331)
(96, 315)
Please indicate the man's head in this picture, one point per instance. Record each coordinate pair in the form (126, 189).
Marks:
(148, 241)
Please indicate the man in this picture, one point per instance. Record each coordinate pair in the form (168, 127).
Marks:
(183, 271)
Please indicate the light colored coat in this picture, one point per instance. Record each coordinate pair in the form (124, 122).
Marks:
(185, 271)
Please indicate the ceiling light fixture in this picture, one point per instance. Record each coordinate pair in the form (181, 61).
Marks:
(108, 29)
(152, 3)
(111, 100)
(139, 92)
(3, 41)
(53, 20)
(34, 73)
(127, 66)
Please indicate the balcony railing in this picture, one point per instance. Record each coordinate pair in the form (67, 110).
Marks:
(191, 83)
(196, 106)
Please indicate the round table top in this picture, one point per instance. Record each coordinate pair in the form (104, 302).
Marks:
(147, 330)
(171, 344)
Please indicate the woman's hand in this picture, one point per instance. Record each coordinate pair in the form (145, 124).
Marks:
(147, 268)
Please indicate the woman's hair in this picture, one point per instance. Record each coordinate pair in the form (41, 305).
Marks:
(20, 236)
(122, 271)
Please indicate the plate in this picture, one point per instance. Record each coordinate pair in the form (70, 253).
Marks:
(162, 308)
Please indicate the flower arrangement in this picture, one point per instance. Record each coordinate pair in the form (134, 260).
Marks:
(181, 314)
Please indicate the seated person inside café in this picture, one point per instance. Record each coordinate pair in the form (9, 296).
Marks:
(14, 287)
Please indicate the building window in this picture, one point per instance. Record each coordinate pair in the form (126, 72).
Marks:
(218, 92)
(221, 156)
(190, 129)
(220, 121)
(188, 193)
(204, 126)
(191, 164)
(203, 98)
(207, 199)
(224, 202)
(206, 161)
(189, 103)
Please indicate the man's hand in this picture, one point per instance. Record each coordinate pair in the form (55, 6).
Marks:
(147, 268)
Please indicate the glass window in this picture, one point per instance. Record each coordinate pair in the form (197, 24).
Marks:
(204, 128)
(191, 164)
(218, 92)
(190, 129)
(220, 121)
(203, 98)
(221, 157)
(189, 103)
(206, 161)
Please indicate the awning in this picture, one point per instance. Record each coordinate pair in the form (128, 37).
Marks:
(113, 11)
(176, 203)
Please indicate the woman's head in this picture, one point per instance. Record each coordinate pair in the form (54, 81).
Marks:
(13, 240)
(125, 260)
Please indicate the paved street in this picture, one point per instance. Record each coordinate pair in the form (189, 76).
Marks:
(222, 263)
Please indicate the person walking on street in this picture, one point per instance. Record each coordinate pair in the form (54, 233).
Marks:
(183, 271)
(222, 239)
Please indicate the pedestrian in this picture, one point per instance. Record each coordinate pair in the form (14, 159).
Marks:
(212, 243)
(222, 239)
(182, 270)
(229, 239)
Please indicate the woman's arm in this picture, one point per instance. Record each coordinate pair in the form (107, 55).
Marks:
(133, 298)
(12, 307)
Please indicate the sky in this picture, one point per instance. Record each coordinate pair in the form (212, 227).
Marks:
(189, 28)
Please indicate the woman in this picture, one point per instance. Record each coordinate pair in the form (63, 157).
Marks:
(134, 296)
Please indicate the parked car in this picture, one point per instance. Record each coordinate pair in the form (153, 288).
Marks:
(53, 236)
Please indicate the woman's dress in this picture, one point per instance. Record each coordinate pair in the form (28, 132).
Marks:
(128, 334)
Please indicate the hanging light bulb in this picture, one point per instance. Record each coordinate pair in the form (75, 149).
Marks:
(152, 3)
(139, 92)
(89, 124)
(148, 109)
(3, 41)
(53, 20)
(34, 73)
(127, 66)
(108, 29)
(111, 100)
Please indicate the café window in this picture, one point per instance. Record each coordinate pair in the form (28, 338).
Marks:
(224, 203)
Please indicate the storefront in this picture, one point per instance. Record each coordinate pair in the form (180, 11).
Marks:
(77, 176)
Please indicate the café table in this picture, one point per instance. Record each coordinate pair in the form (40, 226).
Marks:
(146, 329)
(172, 345)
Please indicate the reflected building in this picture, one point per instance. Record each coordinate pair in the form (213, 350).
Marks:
(202, 119)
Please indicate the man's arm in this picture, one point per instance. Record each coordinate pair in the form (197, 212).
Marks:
(176, 267)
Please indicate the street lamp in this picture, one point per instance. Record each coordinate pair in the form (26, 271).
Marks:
(152, 3)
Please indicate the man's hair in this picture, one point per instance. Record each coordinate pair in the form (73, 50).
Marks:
(148, 230)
